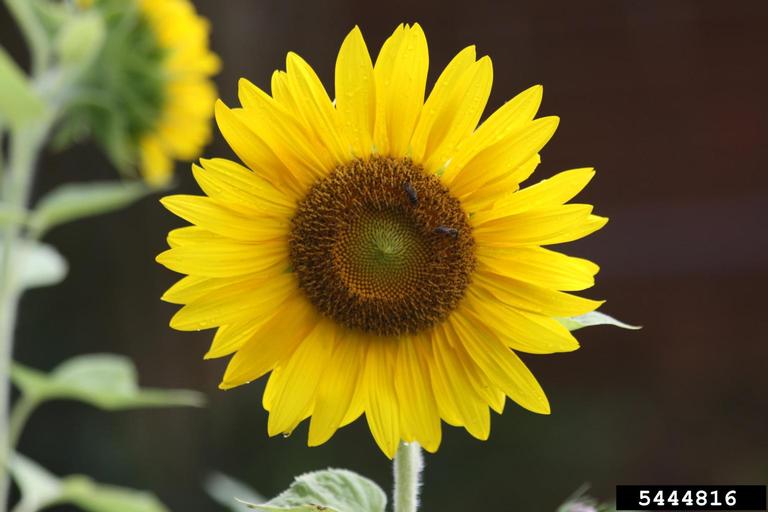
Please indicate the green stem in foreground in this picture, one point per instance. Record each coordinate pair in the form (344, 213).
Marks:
(408, 465)
(26, 143)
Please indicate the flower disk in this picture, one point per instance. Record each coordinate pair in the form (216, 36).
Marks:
(376, 254)
(381, 246)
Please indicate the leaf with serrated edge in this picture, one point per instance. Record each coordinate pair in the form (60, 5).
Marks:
(594, 318)
(332, 490)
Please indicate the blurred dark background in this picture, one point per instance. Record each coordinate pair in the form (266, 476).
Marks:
(666, 98)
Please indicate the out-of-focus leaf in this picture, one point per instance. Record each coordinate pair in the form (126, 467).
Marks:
(580, 501)
(77, 200)
(94, 497)
(332, 490)
(19, 102)
(224, 489)
(594, 318)
(106, 381)
(38, 264)
(40, 489)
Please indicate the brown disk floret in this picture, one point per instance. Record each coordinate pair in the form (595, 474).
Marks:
(381, 246)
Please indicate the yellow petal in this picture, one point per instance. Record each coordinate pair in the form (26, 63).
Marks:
(356, 93)
(336, 388)
(253, 150)
(486, 196)
(231, 302)
(548, 193)
(191, 235)
(300, 376)
(505, 121)
(401, 76)
(382, 412)
(260, 354)
(229, 338)
(535, 299)
(211, 216)
(286, 135)
(188, 289)
(461, 117)
(502, 366)
(533, 227)
(418, 410)
(518, 329)
(441, 105)
(316, 108)
(454, 391)
(504, 156)
(156, 166)
(539, 266)
(239, 188)
(227, 258)
(483, 386)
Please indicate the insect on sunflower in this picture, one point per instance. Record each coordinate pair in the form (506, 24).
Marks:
(376, 253)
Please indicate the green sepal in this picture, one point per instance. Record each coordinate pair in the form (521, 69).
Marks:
(41, 489)
(594, 318)
(331, 490)
(106, 381)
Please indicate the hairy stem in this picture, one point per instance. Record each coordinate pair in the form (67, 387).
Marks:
(25, 146)
(408, 465)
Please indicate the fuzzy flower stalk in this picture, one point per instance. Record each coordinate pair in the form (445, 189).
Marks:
(135, 76)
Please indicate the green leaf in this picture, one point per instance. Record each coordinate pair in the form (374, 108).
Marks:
(40, 489)
(94, 497)
(38, 264)
(19, 103)
(332, 490)
(77, 200)
(223, 489)
(580, 501)
(594, 318)
(106, 381)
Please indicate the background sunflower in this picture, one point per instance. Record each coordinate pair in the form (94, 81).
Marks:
(664, 98)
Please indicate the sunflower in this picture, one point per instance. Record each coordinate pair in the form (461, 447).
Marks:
(375, 255)
(148, 97)
(182, 126)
